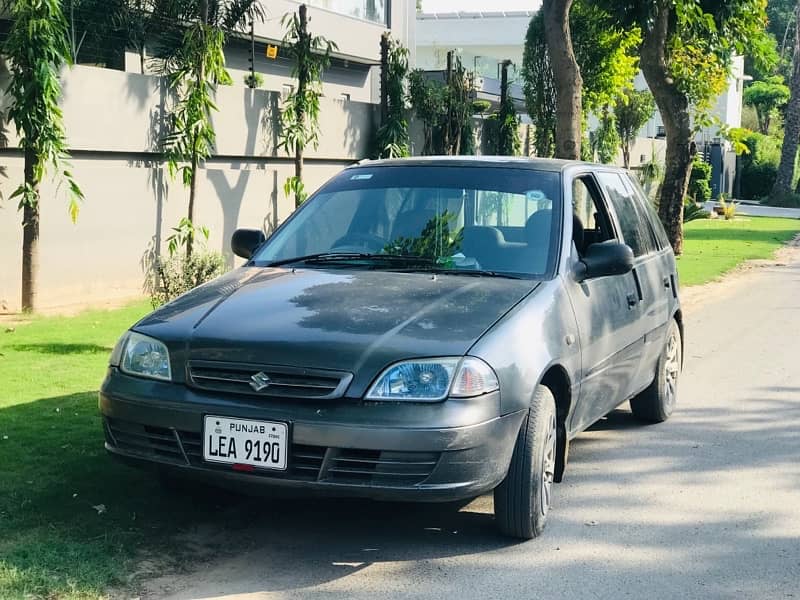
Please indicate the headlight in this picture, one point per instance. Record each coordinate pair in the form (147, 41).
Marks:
(116, 353)
(431, 380)
(145, 357)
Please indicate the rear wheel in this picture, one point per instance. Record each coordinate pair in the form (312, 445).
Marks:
(657, 402)
(522, 502)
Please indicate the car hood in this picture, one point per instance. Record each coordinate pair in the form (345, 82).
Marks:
(350, 320)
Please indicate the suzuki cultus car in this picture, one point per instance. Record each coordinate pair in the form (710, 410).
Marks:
(420, 329)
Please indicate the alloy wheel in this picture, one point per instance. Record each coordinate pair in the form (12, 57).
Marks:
(548, 465)
(671, 369)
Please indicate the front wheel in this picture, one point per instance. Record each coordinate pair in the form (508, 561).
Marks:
(522, 501)
(656, 403)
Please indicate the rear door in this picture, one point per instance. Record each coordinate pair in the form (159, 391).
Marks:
(652, 282)
(607, 313)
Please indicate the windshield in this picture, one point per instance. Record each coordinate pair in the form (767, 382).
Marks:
(460, 219)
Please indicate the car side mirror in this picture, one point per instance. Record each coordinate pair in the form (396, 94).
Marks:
(245, 241)
(604, 259)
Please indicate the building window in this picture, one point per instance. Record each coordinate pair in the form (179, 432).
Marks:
(368, 10)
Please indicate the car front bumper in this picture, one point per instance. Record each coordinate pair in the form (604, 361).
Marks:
(385, 451)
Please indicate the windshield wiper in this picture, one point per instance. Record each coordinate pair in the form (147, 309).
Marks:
(473, 273)
(327, 257)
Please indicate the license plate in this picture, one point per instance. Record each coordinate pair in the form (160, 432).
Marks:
(262, 444)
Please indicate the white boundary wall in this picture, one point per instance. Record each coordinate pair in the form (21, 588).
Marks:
(113, 122)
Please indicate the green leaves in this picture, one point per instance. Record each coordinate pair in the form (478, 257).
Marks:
(37, 48)
(197, 69)
(294, 186)
(606, 51)
(310, 56)
(391, 138)
(300, 117)
(184, 235)
(767, 97)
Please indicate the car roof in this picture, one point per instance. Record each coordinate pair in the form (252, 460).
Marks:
(515, 162)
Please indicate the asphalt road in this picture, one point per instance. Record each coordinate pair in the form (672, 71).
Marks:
(706, 505)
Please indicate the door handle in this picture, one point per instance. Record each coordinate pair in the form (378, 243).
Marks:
(667, 283)
(633, 300)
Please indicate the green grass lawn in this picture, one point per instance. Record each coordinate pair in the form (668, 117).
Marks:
(56, 540)
(712, 247)
(72, 521)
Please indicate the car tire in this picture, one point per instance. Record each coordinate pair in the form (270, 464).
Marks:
(657, 402)
(522, 501)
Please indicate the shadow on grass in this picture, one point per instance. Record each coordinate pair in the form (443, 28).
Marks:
(56, 348)
(74, 520)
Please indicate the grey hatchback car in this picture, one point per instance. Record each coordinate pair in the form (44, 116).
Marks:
(420, 329)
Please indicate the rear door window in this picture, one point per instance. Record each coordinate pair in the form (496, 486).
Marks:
(661, 239)
(632, 221)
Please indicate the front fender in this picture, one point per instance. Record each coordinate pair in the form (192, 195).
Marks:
(538, 333)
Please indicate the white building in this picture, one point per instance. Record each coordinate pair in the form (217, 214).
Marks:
(483, 39)
(354, 25)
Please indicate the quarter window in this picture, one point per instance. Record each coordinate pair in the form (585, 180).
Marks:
(632, 220)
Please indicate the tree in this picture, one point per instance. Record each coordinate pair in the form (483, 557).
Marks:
(311, 56)
(445, 109)
(427, 99)
(632, 112)
(194, 68)
(767, 97)
(791, 122)
(138, 20)
(37, 48)
(605, 140)
(686, 53)
(503, 126)
(606, 55)
(391, 138)
(539, 87)
(566, 76)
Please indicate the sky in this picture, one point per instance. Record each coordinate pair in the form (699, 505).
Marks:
(478, 5)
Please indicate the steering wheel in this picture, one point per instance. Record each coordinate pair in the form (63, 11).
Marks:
(361, 241)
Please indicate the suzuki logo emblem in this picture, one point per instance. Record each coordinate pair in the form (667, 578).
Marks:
(259, 381)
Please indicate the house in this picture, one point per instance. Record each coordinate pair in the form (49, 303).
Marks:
(355, 26)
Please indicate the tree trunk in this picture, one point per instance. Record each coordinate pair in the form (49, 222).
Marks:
(674, 108)
(626, 155)
(302, 83)
(298, 173)
(192, 194)
(201, 76)
(791, 136)
(30, 236)
(567, 76)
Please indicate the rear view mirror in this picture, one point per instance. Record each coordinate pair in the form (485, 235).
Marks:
(245, 241)
(604, 259)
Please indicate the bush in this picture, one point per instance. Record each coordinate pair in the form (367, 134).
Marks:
(700, 181)
(791, 200)
(177, 275)
(759, 166)
(728, 208)
(693, 211)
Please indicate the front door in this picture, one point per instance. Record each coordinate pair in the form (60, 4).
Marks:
(608, 315)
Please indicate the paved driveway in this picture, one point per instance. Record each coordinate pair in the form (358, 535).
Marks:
(704, 506)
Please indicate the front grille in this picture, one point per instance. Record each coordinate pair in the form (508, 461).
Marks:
(307, 463)
(277, 381)
(142, 440)
(379, 467)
